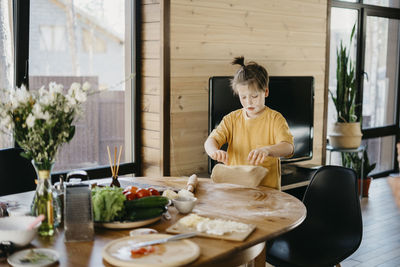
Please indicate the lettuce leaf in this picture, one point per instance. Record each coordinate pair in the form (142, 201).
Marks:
(107, 203)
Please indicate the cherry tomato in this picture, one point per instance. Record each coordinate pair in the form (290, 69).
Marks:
(142, 193)
(130, 196)
(133, 189)
(153, 192)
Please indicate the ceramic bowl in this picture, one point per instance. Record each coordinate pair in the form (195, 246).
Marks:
(15, 229)
(184, 205)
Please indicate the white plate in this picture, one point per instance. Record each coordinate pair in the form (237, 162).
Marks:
(127, 225)
(175, 253)
(47, 257)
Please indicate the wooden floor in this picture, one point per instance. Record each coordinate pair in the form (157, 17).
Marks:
(380, 245)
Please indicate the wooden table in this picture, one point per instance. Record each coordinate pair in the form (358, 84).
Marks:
(272, 211)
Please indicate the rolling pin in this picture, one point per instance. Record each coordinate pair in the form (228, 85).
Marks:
(192, 183)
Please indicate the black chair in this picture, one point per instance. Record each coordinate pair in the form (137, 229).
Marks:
(17, 174)
(332, 230)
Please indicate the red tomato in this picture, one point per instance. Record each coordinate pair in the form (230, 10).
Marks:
(142, 193)
(130, 192)
(153, 192)
(139, 252)
(129, 195)
(133, 189)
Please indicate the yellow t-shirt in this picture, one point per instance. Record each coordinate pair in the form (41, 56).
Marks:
(244, 134)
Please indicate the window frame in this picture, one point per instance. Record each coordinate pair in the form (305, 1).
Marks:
(21, 12)
(365, 10)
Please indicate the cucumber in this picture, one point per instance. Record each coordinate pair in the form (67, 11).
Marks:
(146, 202)
(144, 213)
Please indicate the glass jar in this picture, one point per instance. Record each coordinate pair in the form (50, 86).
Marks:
(45, 200)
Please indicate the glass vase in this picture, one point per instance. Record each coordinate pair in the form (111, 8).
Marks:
(45, 200)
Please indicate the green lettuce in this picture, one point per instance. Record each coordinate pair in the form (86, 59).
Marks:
(108, 203)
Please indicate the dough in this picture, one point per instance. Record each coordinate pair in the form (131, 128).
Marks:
(247, 175)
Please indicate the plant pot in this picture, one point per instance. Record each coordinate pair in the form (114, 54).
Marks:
(346, 135)
(366, 184)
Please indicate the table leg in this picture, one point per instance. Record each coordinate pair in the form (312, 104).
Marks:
(259, 261)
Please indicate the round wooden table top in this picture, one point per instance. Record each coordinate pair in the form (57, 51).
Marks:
(273, 212)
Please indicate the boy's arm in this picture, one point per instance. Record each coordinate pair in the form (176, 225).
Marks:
(212, 149)
(259, 155)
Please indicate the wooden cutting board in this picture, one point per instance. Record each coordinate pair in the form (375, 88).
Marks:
(175, 253)
(178, 228)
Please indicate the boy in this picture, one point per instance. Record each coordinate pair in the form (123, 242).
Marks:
(256, 134)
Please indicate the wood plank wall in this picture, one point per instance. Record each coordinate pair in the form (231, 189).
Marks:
(288, 37)
(151, 88)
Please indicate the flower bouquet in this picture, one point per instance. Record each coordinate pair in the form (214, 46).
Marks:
(41, 121)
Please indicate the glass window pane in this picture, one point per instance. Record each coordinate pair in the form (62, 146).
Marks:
(381, 67)
(342, 21)
(385, 3)
(6, 68)
(381, 151)
(78, 41)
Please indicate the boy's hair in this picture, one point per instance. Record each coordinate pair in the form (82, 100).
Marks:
(253, 75)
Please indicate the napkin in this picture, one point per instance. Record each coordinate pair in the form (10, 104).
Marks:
(247, 175)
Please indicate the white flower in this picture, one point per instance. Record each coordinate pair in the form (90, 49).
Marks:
(49, 106)
(22, 94)
(37, 109)
(42, 91)
(70, 101)
(75, 86)
(86, 86)
(46, 116)
(30, 121)
(45, 99)
(14, 103)
(55, 88)
(80, 96)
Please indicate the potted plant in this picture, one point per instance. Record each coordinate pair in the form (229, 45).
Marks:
(347, 130)
(352, 160)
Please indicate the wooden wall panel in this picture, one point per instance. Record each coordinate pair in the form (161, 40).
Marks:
(288, 37)
(151, 87)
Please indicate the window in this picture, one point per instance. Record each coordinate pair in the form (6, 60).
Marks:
(6, 63)
(342, 21)
(52, 38)
(377, 72)
(385, 3)
(92, 41)
(381, 68)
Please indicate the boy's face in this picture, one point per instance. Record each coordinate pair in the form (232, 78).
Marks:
(252, 100)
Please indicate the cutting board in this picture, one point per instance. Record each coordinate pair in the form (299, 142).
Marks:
(175, 253)
(178, 228)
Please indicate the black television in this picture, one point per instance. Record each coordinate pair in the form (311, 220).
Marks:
(292, 96)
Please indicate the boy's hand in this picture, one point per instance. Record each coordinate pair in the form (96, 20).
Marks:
(258, 156)
(221, 156)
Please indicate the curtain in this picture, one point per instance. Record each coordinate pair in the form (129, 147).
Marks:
(6, 58)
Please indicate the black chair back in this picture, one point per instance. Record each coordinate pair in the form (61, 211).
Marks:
(332, 230)
(332, 198)
(17, 174)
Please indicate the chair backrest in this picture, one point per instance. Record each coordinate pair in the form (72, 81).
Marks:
(331, 198)
(17, 174)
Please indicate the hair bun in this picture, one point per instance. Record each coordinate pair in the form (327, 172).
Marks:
(238, 61)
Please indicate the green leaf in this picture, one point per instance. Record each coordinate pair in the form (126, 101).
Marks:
(71, 133)
(25, 155)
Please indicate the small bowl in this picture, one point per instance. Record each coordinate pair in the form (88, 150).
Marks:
(143, 231)
(18, 211)
(15, 229)
(184, 205)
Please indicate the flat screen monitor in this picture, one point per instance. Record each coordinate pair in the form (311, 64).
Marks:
(292, 96)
